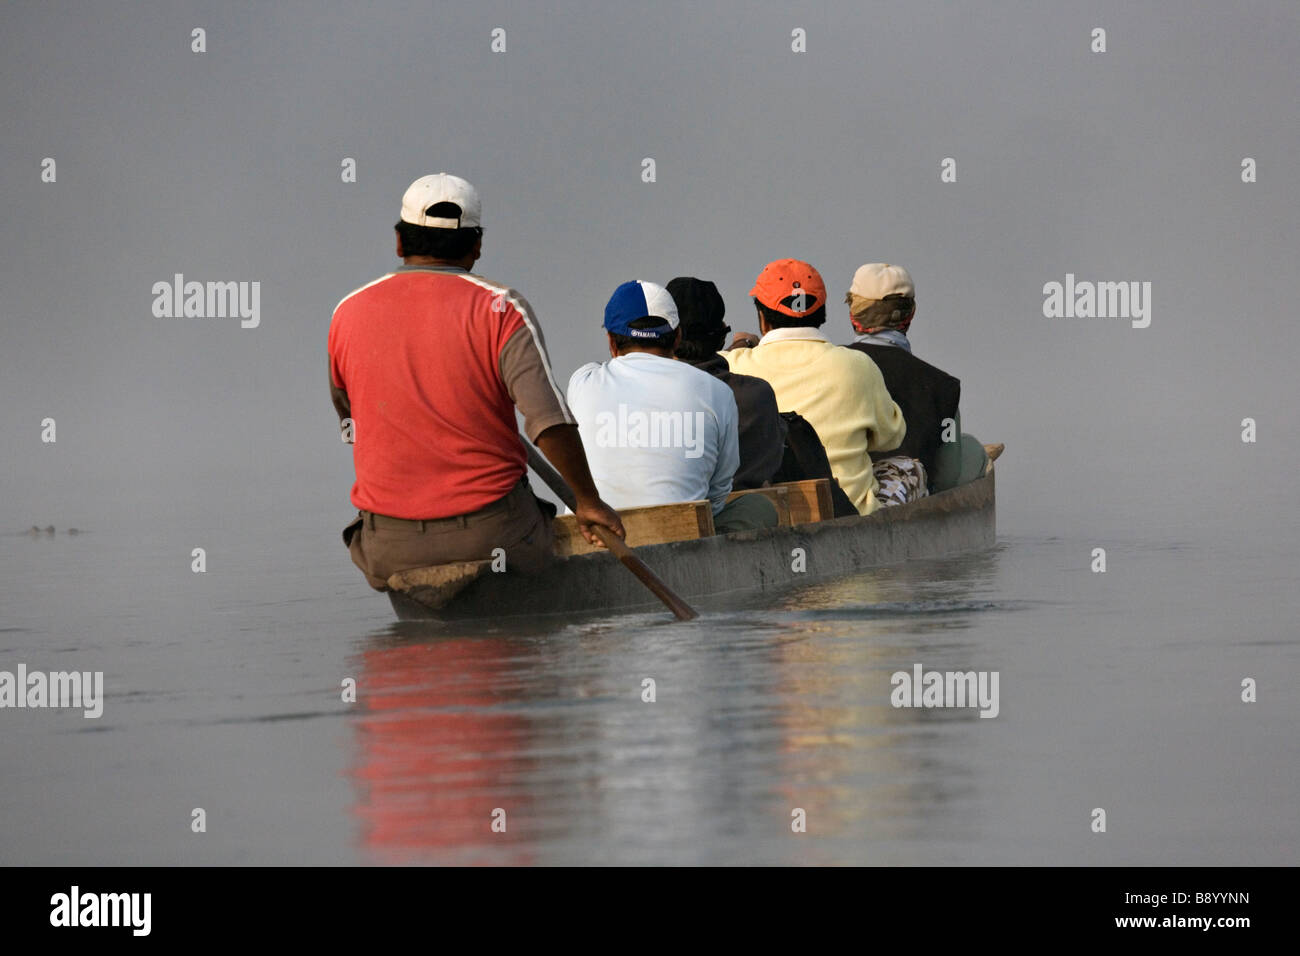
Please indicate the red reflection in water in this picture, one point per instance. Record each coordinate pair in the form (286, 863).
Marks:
(436, 754)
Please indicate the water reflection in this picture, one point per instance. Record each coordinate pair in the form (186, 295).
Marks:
(865, 772)
(439, 748)
(758, 710)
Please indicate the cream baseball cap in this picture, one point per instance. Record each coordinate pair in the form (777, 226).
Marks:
(428, 191)
(876, 280)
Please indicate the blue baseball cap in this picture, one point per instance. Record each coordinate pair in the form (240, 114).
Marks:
(639, 300)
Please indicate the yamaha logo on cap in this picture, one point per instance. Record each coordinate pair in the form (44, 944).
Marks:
(640, 300)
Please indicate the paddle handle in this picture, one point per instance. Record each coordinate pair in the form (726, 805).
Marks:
(617, 546)
(548, 474)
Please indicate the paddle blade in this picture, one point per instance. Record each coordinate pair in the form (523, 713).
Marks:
(681, 610)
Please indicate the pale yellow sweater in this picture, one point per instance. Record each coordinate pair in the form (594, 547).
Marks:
(839, 391)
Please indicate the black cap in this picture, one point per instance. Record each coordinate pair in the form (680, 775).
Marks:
(699, 306)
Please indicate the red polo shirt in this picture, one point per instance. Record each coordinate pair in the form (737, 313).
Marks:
(434, 360)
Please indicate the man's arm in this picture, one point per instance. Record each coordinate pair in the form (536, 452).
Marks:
(548, 423)
(340, 399)
(728, 460)
(562, 446)
(890, 428)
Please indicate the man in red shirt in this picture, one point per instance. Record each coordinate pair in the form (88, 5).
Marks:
(427, 366)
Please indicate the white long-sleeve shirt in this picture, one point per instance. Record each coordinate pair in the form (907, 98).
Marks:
(656, 431)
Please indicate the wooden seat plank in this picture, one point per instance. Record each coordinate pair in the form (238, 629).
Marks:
(810, 500)
(657, 524)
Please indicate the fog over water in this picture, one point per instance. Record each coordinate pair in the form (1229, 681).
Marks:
(1119, 690)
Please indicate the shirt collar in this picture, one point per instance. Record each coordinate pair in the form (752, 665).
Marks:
(884, 337)
(802, 333)
(421, 268)
(643, 356)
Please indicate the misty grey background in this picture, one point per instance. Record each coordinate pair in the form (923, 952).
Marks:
(225, 165)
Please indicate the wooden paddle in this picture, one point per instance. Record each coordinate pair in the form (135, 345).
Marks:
(682, 610)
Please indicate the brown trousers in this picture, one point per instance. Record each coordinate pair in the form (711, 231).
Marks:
(381, 546)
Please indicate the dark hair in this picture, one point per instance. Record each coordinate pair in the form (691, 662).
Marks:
(663, 341)
(779, 320)
(439, 243)
(701, 349)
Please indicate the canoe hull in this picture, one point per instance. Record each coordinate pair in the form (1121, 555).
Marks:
(959, 520)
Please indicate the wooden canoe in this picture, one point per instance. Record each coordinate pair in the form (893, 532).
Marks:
(951, 522)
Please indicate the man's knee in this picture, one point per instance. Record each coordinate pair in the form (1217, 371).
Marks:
(746, 513)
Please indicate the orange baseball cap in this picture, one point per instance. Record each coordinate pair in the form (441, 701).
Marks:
(789, 283)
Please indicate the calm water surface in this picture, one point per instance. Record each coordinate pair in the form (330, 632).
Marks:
(1117, 690)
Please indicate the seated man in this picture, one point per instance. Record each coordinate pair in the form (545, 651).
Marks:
(798, 454)
(840, 392)
(427, 366)
(658, 431)
(882, 304)
(762, 431)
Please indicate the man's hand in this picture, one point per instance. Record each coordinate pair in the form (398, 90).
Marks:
(562, 446)
(596, 512)
(744, 340)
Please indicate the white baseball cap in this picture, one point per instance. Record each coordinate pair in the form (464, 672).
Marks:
(428, 191)
(876, 280)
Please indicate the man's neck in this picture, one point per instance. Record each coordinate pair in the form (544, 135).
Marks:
(431, 261)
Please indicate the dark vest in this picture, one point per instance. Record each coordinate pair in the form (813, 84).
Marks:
(925, 394)
(761, 432)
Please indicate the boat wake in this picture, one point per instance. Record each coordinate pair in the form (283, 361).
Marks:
(887, 609)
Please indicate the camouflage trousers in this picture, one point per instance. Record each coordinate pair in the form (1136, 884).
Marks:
(901, 480)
